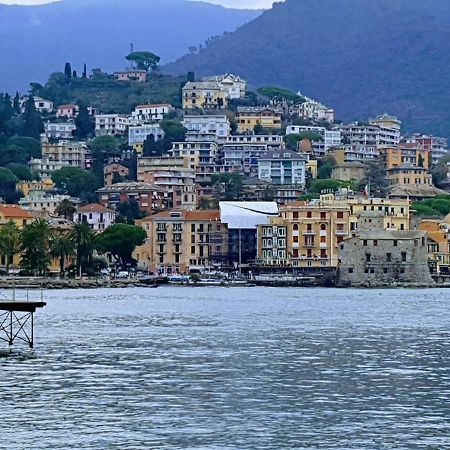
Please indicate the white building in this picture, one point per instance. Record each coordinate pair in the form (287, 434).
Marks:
(151, 113)
(313, 110)
(59, 130)
(217, 124)
(41, 104)
(111, 124)
(233, 85)
(272, 140)
(330, 138)
(97, 216)
(138, 134)
(282, 167)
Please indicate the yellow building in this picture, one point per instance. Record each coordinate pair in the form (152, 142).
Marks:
(305, 236)
(396, 211)
(349, 171)
(27, 186)
(204, 95)
(408, 175)
(248, 117)
(398, 156)
(182, 241)
(438, 233)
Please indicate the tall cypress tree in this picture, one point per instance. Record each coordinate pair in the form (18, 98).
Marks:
(68, 71)
(32, 122)
(84, 72)
(16, 103)
(83, 122)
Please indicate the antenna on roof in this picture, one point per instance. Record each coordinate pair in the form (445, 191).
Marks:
(131, 48)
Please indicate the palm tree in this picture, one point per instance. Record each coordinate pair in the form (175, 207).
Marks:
(35, 247)
(66, 209)
(83, 239)
(9, 242)
(62, 247)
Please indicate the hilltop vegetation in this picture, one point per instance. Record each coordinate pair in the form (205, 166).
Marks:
(107, 94)
(361, 57)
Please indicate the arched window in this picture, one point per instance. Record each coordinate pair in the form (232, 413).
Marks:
(323, 227)
(295, 227)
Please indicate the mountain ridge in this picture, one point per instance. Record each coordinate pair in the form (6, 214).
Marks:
(38, 39)
(361, 58)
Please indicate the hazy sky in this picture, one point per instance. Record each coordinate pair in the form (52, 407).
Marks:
(231, 3)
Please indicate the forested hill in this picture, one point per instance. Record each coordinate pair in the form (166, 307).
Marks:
(361, 57)
(38, 40)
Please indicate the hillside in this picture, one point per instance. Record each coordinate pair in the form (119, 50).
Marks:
(38, 40)
(361, 57)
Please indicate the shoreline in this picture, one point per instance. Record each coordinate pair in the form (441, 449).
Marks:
(100, 283)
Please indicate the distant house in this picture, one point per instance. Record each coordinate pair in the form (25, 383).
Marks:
(132, 75)
(151, 113)
(97, 216)
(69, 111)
(111, 124)
(218, 124)
(59, 130)
(267, 117)
(41, 104)
(282, 167)
(233, 85)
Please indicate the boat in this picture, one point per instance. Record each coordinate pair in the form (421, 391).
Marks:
(179, 279)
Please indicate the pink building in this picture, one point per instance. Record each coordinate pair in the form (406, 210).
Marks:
(68, 111)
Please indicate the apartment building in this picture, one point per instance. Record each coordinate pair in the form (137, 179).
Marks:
(400, 155)
(437, 146)
(69, 111)
(201, 149)
(282, 167)
(313, 110)
(138, 134)
(69, 153)
(151, 112)
(330, 138)
(111, 124)
(44, 167)
(148, 196)
(59, 130)
(44, 202)
(210, 124)
(182, 241)
(438, 244)
(407, 175)
(248, 117)
(26, 187)
(173, 176)
(204, 95)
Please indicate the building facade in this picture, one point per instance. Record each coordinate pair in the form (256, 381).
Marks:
(96, 216)
(282, 167)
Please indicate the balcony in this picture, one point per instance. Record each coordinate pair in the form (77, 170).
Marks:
(342, 233)
(309, 233)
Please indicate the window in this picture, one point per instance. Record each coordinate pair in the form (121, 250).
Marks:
(368, 257)
(309, 214)
(389, 257)
(192, 249)
(364, 243)
(395, 243)
(295, 215)
(193, 228)
(404, 255)
(340, 215)
(323, 215)
(375, 243)
(350, 270)
(385, 270)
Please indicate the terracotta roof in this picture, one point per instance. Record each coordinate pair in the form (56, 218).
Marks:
(203, 215)
(94, 207)
(14, 212)
(67, 106)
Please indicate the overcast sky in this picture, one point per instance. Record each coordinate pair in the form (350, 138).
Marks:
(231, 3)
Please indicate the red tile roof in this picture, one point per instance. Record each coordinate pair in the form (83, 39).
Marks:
(14, 212)
(94, 207)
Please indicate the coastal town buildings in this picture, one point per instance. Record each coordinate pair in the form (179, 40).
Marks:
(97, 216)
(233, 85)
(313, 110)
(44, 202)
(115, 173)
(211, 124)
(282, 167)
(138, 134)
(67, 153)
(247, 117)
(149, 113)
(111, 124)
(131, 75)
(69, 111)
(330, 138)
(59, 130)
(204, 95)
(438, 244)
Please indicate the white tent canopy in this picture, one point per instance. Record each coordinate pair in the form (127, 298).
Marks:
(247, 215)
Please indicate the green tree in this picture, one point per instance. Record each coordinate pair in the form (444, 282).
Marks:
(75, 181)
(68, 71)
(152, 148)
(129, 211)
(120, 240)
(35, 247)
(32, 125)
(277, 93)
(228, 186)
(62, 248)
(7, 185)
(9, 242)
(21, 171)
(326, 166)
(319, 186)
(83, 122)
(292, 141)
(66, 209)
(83, 240)
(144, 60)
(84, 75)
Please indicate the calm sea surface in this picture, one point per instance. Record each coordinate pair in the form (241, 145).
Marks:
(232, 368)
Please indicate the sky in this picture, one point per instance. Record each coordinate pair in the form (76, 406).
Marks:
(230, 3)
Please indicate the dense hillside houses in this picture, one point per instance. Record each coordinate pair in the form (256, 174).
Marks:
(223, 178)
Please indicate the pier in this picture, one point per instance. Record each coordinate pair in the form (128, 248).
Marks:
(17, 321)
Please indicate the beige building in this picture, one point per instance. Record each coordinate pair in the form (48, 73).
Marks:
(180, 241)
(173, 176)
(349, 171)
(27, 186)
(204, 95)
(68, 153)
(409, 175)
